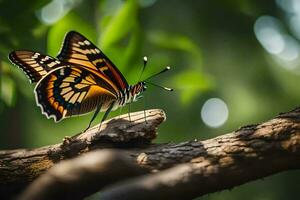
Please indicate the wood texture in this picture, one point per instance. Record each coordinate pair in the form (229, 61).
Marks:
(21, 166)
(79, 177)
(175, 171)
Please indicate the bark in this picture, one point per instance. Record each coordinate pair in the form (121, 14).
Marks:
(230, 160)
(185, 170)
(20, 166)
(82, 176)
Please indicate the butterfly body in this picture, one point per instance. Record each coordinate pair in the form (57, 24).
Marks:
(80, 80)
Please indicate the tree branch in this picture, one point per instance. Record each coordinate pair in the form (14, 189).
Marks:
(20, 166)
(250, 153)
(76, 178)
(194, 168)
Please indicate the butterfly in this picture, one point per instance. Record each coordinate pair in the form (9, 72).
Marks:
(79, 80)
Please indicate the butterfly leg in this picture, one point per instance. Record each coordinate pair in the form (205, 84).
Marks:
(94, 116)
(106, 114)
(145, 116)
(129, 111)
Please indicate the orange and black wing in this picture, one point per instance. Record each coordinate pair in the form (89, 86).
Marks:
(34, 65)
(79, 50)
(68, 91)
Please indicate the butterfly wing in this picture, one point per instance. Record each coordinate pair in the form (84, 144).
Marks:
(74, 90)
(34, 65)
(79, 50)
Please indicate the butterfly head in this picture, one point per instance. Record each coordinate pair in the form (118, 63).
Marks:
(137, 89)
(144, 86)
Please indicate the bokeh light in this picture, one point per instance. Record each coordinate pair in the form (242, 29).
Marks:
(267, 31)
(55, 10)
(283, 47)
(214, 112)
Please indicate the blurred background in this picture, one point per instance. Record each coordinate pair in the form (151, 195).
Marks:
(233, 63)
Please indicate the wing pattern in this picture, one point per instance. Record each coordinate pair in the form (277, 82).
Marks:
(69, 91)
(77, 82)
(79, 50)
(34, 65)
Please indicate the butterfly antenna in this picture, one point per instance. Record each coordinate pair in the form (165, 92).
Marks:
(144, 66)
(162, 71)
(162, 87)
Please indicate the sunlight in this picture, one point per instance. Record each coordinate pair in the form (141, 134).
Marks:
(290, 6)
(267, 31)
(276, 41)
(55, 10)
(291, 49)
(214, 112)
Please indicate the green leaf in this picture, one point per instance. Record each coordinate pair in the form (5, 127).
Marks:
(8, 90)
(120, 25)
(133, 48)
(173, 41)
(177, 42)
(192, 83)
(57, 32)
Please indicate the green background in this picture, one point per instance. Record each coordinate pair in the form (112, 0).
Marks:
(213, 47)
